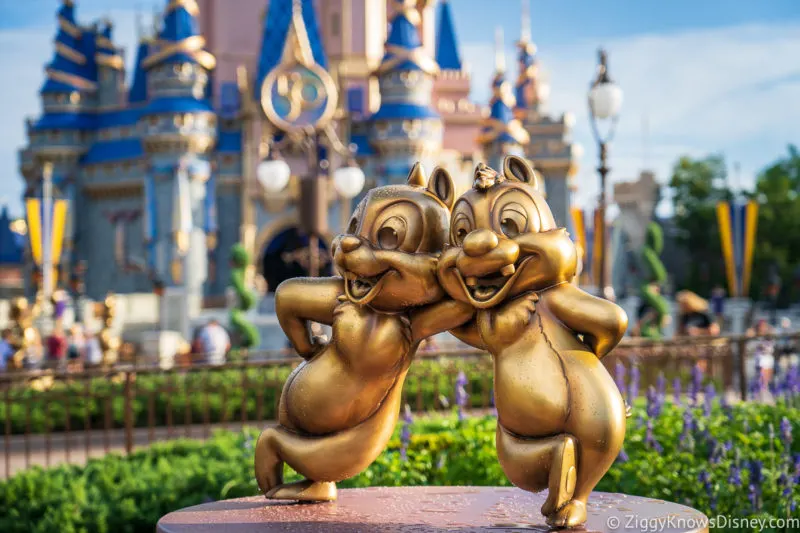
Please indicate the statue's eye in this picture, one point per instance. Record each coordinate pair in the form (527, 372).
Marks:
(461, 228)
(513, 220)
(392, 233)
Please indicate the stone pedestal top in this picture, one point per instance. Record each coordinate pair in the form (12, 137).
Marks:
(426, 509)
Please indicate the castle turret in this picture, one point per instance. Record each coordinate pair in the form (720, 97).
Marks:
(550, 148)
(179, 131)
(501, 133)
(405, 129)
(110, 69)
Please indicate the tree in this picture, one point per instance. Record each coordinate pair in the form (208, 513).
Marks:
(777, 247)
(697, 186)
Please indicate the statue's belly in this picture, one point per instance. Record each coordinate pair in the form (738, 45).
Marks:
(531, 390)
(325, 395)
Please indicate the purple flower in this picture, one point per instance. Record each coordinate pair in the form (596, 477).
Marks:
(650, 438)
(676, 390)
(711, 393)
(661, 387)
(686, 438)
(633, 385)
(619, 376)
(623, 456)
(405, 433)
(653, 404)
(786, 433)
(705, 479)
(735, 476)
(461, 394)
(752, 495)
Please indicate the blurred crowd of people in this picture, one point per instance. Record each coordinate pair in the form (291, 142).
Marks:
(72, 349)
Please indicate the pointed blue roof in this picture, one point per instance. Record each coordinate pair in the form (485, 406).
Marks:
(403, 46)
(527, 72)
(501, 126)
(115, 150)
(73, 67)
(276, 29)
(11, 243)
(138, 91)
(180, 39)
(446, 43)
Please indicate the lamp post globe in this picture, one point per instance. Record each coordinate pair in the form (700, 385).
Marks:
(605, 100)
(273, 174)
(348, 181)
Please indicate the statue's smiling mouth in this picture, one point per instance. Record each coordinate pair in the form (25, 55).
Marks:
(489, 290)
(362, 290)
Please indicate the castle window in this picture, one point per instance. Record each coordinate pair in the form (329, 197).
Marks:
(105, 135)
(228, 159)
(176, 69)
(178, 121)
(75, 97)
(186, 70)
(212, 121)
(153, 120)
(188, 120)
(61, 99)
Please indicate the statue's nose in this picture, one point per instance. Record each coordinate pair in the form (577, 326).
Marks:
(348, 243)
(480, 242)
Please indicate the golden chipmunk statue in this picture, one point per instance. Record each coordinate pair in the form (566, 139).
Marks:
(561, 418)
(339, 407)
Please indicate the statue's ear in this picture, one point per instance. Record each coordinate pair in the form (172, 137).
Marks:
(517, 168)
(417, 175)
(441, 186)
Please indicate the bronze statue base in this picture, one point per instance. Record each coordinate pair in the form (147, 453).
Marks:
(424, 509)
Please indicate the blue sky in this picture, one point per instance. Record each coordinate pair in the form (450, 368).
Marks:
(704, 76)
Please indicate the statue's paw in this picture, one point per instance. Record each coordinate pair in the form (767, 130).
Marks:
(572, 514)
(305, 490)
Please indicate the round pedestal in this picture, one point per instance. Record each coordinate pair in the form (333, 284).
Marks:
(422, 509)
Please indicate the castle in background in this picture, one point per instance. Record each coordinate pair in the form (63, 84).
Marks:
(153, 164)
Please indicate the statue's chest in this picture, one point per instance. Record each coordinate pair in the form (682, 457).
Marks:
(509, 323)
(371, 340)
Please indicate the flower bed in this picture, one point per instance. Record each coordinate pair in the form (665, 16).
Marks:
(738, 460)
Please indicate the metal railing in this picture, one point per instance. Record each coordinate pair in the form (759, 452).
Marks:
(54, 416)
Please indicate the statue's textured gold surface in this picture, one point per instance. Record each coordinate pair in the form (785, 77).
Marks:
(561, 419)
(339, 407)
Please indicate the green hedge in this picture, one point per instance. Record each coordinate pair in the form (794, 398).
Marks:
(116, 494)
(220, 393)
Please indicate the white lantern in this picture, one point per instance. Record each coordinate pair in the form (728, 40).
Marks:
(273, 174)
(348, 181)
(605, 100)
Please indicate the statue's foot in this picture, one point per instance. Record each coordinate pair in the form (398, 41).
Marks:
(305, 490)
(572, 514)
(562, 479)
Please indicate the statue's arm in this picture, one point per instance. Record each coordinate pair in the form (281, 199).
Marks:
(299, 301)
(602, 323)
(436, 318)
(468, 333)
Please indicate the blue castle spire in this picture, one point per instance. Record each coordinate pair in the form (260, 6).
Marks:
(525, 88)
(179, 40)
(501, 134)
(446, 43)
(138, 91)
(276, 31)
(405, 129)
(72, 68)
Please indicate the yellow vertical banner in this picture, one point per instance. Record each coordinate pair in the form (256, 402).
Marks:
(579, 230)
(726, 240)
(598, 254)
(33, 211)
(750, 230)
(59, 225)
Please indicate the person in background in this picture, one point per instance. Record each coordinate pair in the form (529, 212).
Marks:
(763, 350)
(6, 350)
(94, 352)
(718, 304)
(57, 348)
(214, 342)
(694, 318)
(76, 346)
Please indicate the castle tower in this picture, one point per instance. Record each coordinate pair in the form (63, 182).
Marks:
(405, 129)
(110, 69)
(501, 134)
(550, 149)
(179, 133)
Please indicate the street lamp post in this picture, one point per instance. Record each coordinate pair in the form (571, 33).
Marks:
(605, 100)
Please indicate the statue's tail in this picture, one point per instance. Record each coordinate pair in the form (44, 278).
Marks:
(331, 457)
(246, 330)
